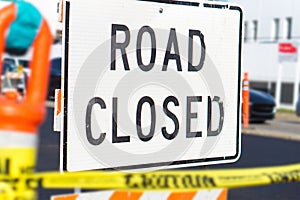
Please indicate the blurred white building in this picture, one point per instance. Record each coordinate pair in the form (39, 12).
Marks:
(268, 25)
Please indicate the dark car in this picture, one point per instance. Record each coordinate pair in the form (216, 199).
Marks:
(55, 77)
(262, 106)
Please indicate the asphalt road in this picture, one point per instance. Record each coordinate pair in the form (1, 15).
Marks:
(257, 151)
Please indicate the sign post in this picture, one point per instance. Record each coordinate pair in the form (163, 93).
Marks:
(287, 52)
(150, 85)
(278, 85)
(296, 84)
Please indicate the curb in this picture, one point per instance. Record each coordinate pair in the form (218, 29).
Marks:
(273, 134)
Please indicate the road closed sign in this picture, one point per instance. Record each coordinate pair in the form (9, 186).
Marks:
(150, 85)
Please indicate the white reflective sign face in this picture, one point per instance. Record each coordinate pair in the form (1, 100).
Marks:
(150, 85)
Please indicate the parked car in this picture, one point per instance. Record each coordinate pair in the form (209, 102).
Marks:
(55, 77)
(262, 106)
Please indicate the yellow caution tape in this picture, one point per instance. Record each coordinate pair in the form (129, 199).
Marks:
(164, 180)
(15, 165)
(173, 180)
(6, 191)
(16, 161)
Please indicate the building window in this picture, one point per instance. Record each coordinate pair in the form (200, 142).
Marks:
(275, 29)
(288, 28)
(255, 24)
(287, 93)
(246, 31)
(252, 31)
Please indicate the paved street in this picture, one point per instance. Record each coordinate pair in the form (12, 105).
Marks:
(276, 142)
(264, 151)
(256, 151)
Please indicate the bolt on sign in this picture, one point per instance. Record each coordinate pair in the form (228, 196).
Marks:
(150, 85)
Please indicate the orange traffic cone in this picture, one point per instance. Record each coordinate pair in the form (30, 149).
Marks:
(20, 117)
(246, 99)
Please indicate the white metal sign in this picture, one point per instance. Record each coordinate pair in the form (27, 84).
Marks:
(288, 52)
(150, 85)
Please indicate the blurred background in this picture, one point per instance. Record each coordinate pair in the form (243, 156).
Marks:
(271, 58)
